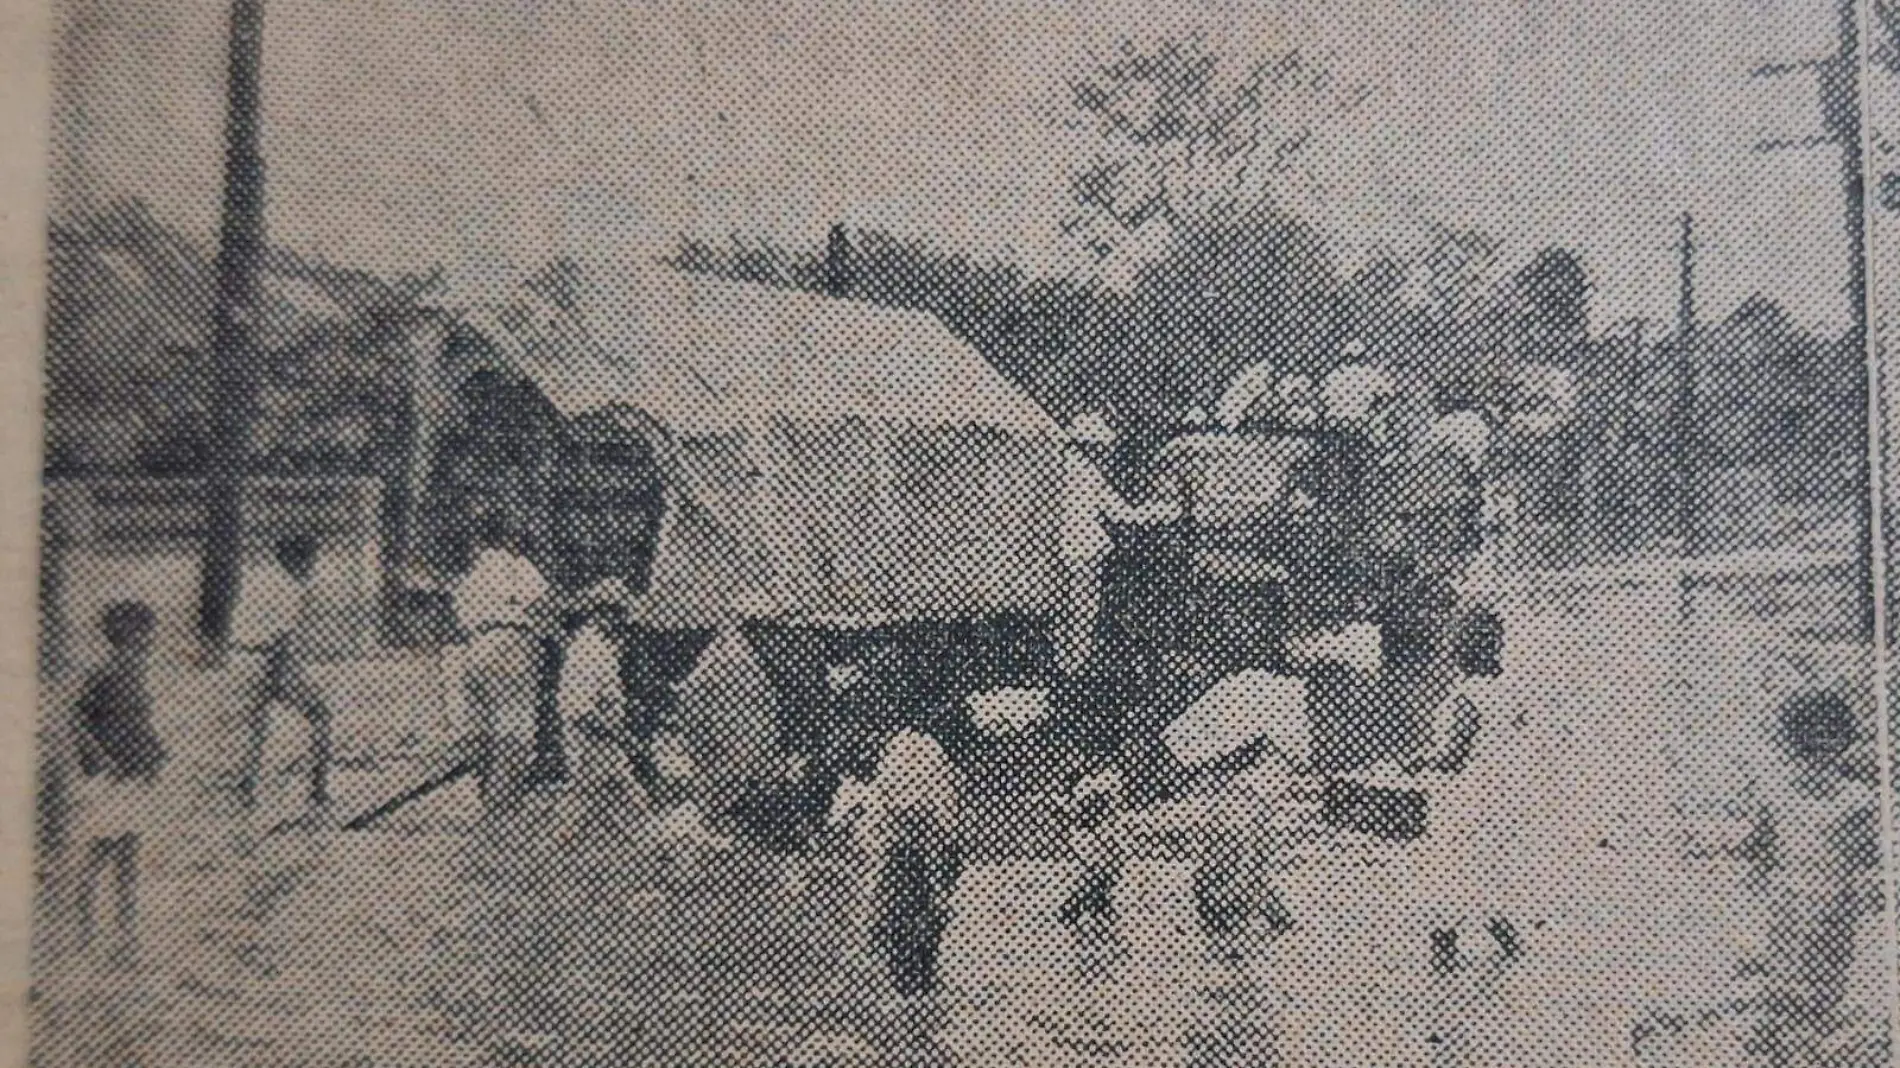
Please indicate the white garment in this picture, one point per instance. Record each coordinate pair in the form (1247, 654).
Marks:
(590, 678)
(1008, 710)
(1087, 497)
(858, 809)
(270, 605)
(915, 773)
(1465, 433)
(1351, 391)
(1356, 645)
(1243, 391)
(501, 677)
(499, 588)
(1239, 710)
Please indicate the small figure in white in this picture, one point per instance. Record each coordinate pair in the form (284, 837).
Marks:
(496, 605)
(918, 790)
(1096, 844)
(858, 819)
(1244, 393)
(593, 704)
(857, 823)
(1234, 883)
(270, 623)
(1356, 393)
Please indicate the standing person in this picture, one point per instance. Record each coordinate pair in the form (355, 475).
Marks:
(918, 793)
(1089, 501)
(513, 858)
(495, 604)
(856, 815)
(271, 624)
(593, 701)
(1472, 885)
(1234, 882)
(120, 757)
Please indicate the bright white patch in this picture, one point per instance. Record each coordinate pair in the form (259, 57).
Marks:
(1357, 646)
(1008, 710)
(1239, 710)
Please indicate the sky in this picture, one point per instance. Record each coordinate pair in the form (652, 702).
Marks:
(489, 135)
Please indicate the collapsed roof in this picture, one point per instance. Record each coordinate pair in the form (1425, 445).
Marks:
(825, 460)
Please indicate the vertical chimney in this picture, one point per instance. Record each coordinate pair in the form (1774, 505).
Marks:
(837, 262)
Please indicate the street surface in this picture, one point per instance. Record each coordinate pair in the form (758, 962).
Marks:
(1602, 817)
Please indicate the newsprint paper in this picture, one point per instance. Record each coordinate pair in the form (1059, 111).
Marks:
(951, 532)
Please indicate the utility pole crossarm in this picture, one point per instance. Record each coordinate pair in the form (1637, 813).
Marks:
(1782, 144)
(1799, 66)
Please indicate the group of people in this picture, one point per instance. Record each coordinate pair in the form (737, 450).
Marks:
(887, 794)
(120, 757)
(1424, 489)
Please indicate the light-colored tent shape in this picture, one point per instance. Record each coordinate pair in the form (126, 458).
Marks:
(824, 460)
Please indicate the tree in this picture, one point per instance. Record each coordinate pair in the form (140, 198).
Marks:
(1554, 295)
(1232, 291)
(1178, 141)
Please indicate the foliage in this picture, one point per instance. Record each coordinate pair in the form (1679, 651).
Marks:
(129, 372)
(1178, 141)
(1200, 266)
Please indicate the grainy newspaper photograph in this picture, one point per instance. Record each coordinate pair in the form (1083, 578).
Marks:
(965, 532)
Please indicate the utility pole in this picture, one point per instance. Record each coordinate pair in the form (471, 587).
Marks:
(1688, 434)
(234, 334)
(1840, 92)
(1624, 386)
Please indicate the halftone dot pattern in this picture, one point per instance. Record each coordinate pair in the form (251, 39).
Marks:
(730, 573)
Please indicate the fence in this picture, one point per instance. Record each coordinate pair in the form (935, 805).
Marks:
(106, 539)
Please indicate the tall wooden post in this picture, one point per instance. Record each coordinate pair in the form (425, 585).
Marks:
(406, 475)
(1688, 433)
(1841, 104)
(1841, 108)
(1629, 489)
(234, 335)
